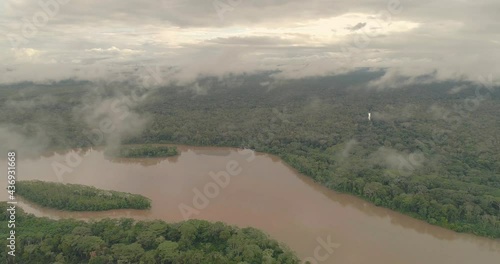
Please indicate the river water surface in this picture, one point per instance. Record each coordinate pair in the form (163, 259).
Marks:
(265, 193)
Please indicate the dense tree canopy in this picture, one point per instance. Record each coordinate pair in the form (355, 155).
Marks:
(142, 151)
(75, 197)
(41, 241)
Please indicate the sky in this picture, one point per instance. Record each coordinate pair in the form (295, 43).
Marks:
(51, 40)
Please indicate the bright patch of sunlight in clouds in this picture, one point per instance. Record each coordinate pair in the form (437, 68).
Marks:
(311, 32)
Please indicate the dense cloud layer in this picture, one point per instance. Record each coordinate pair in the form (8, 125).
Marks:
(92, 39)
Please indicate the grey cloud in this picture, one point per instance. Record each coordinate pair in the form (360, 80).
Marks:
(252, 41)
(450, 39)
(357, 26)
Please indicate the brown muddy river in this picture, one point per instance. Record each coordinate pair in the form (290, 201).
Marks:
(264, 193)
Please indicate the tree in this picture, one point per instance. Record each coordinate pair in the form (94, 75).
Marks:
(168, 251)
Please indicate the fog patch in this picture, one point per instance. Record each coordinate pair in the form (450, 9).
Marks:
(315, 104)
(395, 160)
(27, 140)
(199, 89)
(457, 89)
(437, 112)
(111, 120)
(346, 152)
(395, 79)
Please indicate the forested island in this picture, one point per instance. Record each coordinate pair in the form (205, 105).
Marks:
(142, 151)
(428, 150)
(42, 240)
(75, 197)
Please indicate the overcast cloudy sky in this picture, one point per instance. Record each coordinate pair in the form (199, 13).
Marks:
(87, 39)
